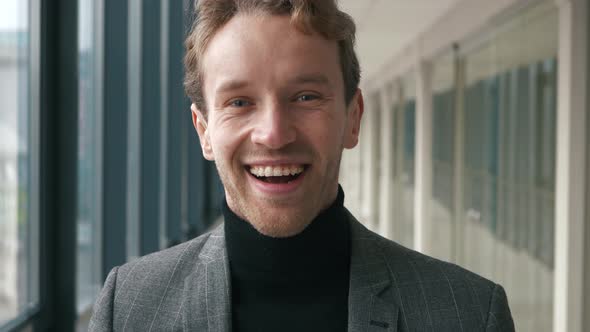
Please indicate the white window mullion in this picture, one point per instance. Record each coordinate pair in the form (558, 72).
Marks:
(423, 156)
(570, 168)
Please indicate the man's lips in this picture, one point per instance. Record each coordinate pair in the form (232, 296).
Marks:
(276, 170)
(277, 174)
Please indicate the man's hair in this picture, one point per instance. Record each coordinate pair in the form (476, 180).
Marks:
(308, 16)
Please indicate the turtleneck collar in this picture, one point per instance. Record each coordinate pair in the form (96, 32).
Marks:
(321, 251)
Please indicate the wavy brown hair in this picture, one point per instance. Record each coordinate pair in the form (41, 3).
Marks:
(308, 16)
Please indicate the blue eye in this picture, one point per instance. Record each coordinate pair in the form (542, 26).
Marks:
(239, 103)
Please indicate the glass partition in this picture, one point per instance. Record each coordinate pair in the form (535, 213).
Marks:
(509, 161)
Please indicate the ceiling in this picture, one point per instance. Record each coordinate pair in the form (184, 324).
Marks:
(385, 27)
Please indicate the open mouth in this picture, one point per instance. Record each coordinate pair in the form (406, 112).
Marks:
(277, 174)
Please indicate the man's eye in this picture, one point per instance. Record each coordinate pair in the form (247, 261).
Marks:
(239, 103)
(307, 97)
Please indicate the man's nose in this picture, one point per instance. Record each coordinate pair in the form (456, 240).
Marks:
(274, 127)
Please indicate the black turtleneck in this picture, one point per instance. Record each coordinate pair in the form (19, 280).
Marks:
(298, 283)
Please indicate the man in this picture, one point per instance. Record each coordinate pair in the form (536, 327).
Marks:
(274, 86)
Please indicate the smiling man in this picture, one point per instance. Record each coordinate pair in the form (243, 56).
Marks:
(277, 119)
(274, 86)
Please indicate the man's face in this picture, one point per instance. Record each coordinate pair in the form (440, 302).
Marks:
(277, 121)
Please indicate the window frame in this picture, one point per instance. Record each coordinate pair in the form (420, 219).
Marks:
(58, 164)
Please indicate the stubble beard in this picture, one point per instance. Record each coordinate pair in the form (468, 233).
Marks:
(268, 217)
(278, 220)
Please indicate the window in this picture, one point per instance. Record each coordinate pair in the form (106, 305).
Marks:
(18, 226)
(89, 265)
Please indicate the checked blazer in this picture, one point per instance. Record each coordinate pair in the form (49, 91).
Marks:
(392, 288)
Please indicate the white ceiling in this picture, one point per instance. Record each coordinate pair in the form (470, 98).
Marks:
(385, 27)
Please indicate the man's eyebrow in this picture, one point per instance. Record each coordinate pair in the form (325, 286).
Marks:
(230, 85)
(311, 78)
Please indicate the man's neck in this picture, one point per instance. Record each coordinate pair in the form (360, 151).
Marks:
(324, 246)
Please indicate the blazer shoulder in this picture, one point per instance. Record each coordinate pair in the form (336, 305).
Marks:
(408, 266)
(152, 286)
(181, 256)
(425, 281)
(424, 266)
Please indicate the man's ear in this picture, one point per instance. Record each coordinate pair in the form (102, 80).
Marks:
(201, 127)
(354, 114)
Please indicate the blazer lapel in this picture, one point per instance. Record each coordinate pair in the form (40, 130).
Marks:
(207, 291)
(370, 302)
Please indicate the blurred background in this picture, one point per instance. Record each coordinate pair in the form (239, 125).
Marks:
(474, 147)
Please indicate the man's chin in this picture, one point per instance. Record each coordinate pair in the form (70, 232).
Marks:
(280, 225)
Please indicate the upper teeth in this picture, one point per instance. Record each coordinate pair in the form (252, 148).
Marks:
(276, 170)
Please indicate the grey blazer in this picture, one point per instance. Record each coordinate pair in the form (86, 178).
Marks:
(392, 288)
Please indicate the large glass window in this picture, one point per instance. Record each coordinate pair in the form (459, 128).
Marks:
(18, 258)
(509, 158)
(89, 156)
(133, 163)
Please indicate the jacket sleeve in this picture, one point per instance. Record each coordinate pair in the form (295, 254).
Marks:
(102, 316)
(499, 316)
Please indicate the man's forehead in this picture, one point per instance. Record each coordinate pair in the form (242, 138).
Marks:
(249, 49)
(273, 32)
